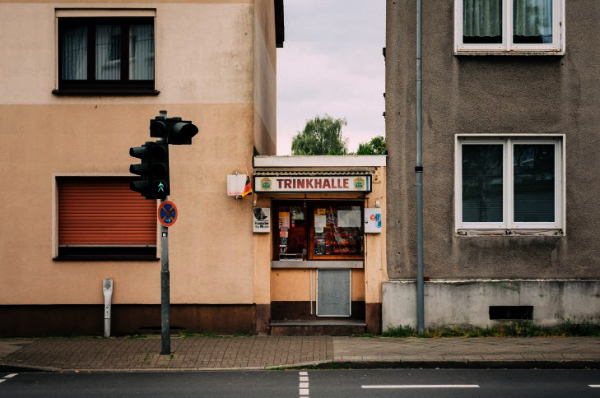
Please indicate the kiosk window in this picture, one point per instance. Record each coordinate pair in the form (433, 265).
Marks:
(319, 231)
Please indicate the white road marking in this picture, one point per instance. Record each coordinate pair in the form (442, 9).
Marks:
(303, 388)
(426, 386)
(2, 380)
(595, 385)
(10, 376)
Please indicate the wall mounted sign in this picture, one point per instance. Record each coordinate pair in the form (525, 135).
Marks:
(288, 184)
(373, 221)
(262, 219)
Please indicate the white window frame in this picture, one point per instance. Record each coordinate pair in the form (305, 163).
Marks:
(557, 47)
(507, 143)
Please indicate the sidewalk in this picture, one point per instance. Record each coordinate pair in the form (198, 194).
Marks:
(267, 352)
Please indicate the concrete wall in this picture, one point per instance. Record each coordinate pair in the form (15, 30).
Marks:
(206, 72)
(492, 95)
(467, 302)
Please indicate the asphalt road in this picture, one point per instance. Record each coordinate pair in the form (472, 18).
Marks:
(314, 384)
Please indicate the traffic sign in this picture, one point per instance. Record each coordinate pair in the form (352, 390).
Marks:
(167, 213)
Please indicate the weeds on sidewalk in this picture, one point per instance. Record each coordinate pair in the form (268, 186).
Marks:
(508, 329)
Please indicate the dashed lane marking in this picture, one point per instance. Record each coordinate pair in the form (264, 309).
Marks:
(425, 386)
(10, 376)
(303, 387)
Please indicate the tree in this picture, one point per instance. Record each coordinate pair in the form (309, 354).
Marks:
(321, 136)
(376, 146)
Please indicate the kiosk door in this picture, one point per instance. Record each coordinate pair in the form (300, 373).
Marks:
(334, 294)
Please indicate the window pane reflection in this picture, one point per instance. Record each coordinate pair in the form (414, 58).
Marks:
(534, 177)
(482, 183)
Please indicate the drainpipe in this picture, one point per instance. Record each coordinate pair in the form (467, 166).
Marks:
(419, 171)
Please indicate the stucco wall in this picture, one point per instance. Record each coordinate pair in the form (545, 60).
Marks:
(460, 302)
(492, 95)
(204, 70)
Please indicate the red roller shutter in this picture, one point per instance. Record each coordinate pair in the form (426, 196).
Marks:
(104, 211)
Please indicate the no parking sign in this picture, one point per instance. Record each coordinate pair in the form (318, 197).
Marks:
(167, 213)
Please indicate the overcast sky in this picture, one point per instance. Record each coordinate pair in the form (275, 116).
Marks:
(331, 63)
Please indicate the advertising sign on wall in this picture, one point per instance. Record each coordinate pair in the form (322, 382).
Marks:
(262, 219)
(288, 184)
(373, 221)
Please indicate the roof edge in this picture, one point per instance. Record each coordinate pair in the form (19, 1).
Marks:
(321, 161)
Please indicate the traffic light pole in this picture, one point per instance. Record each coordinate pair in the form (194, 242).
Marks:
(165, 292)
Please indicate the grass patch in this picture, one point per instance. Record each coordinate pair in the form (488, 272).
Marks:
(364, 335)
(208, 335)
(504, 329)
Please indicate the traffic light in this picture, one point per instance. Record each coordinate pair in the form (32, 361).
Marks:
(143, 153)
(154, 170)
(175, 130)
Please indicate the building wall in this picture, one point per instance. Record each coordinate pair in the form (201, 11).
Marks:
(206, 70)
(489, 95)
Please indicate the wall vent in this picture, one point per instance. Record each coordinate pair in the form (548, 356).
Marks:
(511, 312)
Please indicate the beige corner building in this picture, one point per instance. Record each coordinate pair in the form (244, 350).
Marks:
(81, 81)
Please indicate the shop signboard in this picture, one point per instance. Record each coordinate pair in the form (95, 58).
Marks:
(262, 219)
(290, 184)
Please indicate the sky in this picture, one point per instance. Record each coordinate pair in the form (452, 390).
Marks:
(331, 63)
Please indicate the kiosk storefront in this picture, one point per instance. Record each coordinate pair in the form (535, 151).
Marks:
(321, 218)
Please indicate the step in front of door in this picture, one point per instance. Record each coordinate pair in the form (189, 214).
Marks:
(318, 328)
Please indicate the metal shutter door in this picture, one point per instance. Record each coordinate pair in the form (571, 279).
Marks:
(103, 211)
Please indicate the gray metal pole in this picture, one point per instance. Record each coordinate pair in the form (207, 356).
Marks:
(165, 293)
(419, 171)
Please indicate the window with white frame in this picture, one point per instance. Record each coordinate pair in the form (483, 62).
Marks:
(509, 26)
(509, 183)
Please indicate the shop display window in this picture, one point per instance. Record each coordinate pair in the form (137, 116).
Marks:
(319, 231)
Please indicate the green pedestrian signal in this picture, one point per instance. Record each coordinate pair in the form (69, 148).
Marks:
(154, 170)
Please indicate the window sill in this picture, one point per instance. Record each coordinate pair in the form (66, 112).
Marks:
(106, 258)
(526, 53)
(509, 232)
(100, 92)
(317, 264)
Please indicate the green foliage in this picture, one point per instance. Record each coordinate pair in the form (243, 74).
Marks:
(376, 146)
(209, 335)
(321, 136)
(504, 329)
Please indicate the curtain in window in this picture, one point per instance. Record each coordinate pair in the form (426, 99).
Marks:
(108, 52)
(533, 19)
(74, 53)
(482, 18)
(141, 52)
(482, 183)
(534, 183)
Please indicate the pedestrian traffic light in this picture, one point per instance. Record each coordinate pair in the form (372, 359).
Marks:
(154, 170)
(175, 130)
(158, 175)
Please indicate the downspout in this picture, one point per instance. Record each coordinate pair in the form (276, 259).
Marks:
(419, 171)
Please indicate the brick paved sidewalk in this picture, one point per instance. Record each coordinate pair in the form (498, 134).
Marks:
(263, 352)
(195, 353)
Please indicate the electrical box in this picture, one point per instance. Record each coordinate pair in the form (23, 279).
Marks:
(373, 221)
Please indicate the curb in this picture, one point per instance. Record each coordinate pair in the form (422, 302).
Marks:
(395, 364)
(5, 367)
(334, 365)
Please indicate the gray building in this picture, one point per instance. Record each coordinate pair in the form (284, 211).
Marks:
(511, 119)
